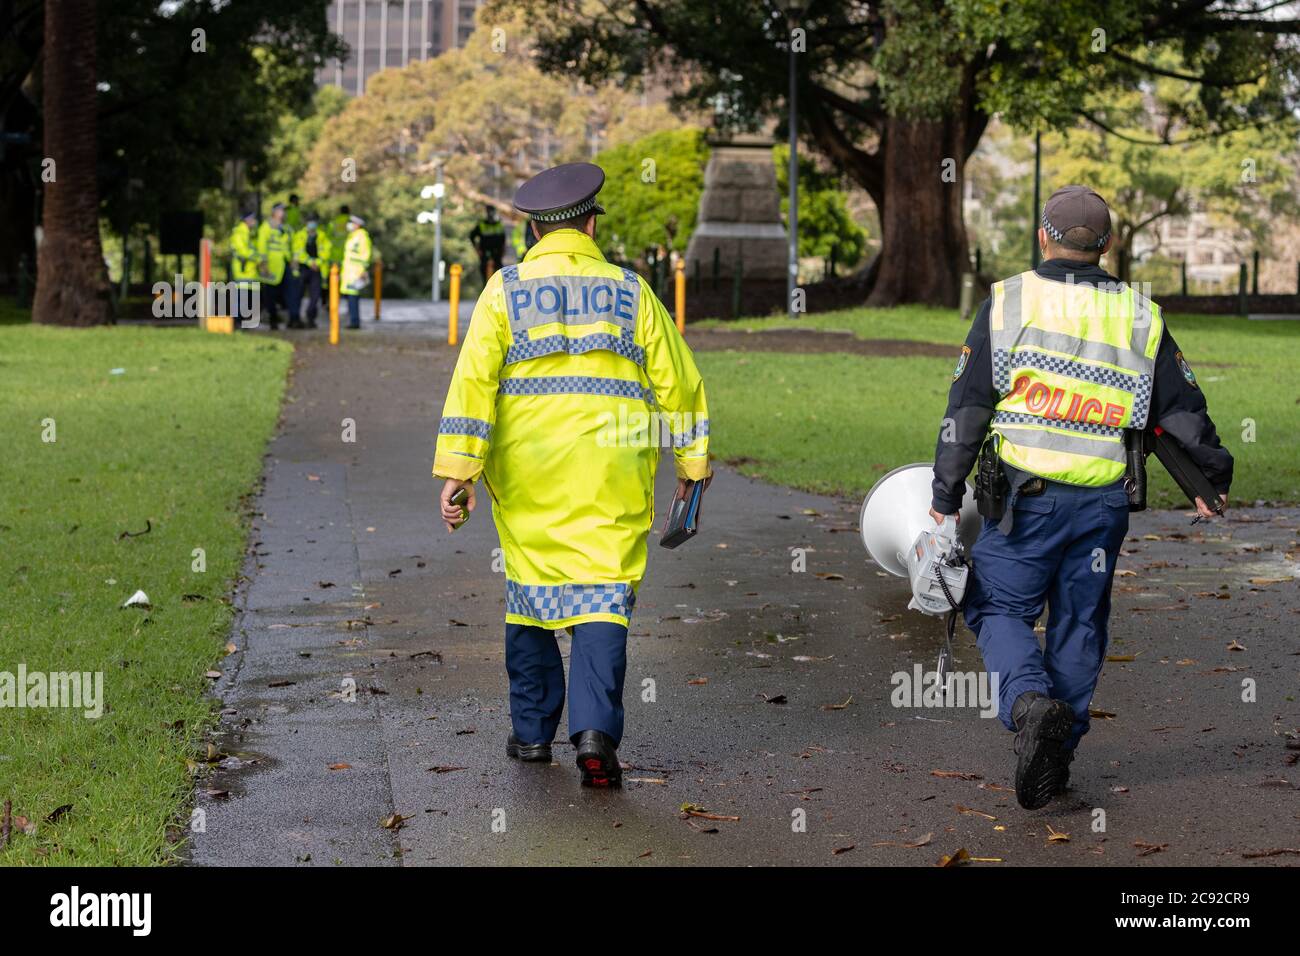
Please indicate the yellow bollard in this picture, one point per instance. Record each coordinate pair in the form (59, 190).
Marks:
(334, 304)
(681, 296)
(453, 318)
(379, 286)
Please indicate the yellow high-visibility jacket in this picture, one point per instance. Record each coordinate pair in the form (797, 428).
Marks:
(243, 250)
(569, 366)
(274, 245)
(319, 262)
(357, 252)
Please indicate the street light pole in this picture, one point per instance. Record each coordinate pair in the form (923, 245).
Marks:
(792, 10)
(437, 237)
(434, 192)
(1035, 252)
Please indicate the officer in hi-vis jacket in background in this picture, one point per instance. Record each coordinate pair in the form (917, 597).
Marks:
(563, 350)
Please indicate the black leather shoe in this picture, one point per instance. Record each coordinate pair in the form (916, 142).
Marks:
(1043, 726)
(598, 759)
(529, 753)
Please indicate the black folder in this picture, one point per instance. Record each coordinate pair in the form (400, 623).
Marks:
(683, 519)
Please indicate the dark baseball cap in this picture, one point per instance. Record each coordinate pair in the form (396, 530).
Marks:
(1076, 207)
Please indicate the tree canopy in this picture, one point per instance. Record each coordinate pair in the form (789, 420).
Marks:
(897, 94)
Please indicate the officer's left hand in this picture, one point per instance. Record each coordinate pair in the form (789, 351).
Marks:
(684, 486)
(938, 518)
(1204, 510)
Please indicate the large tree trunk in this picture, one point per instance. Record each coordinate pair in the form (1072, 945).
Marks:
(923, 237)
(71, 282)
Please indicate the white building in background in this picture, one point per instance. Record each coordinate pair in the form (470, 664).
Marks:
(1211, 252)
(389, 33)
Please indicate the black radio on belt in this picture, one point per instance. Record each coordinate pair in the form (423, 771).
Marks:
(1135, 469)
(991, 485)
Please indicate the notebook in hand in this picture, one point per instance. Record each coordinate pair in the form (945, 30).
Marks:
(683, 517)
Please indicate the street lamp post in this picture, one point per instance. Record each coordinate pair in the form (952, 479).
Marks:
(435, 192)
(1034, 252)
(793, 8)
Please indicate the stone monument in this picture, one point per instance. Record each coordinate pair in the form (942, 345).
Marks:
(740, 212)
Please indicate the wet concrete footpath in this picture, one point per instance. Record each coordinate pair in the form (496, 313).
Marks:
(365, 710)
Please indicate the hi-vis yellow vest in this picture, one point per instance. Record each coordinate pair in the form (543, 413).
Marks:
(1074, 365)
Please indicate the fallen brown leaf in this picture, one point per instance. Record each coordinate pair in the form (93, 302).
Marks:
(956, 859)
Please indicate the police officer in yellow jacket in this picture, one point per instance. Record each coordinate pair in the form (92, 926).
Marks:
(244, 263)
(311, 254)
(355, 274)
(553, 403)
(1060, 363)
(274, 247)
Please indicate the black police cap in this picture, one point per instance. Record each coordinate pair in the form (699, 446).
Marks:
(561, 192)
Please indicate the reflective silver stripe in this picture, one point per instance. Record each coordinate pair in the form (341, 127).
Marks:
(569, 299)
(1031, 337)
(1088, 428)
(1011, 311)
(1145, 313)
(1093, 441)
(575, 385)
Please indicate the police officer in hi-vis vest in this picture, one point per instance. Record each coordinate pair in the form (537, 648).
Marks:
(566, 353)
(1059, 363)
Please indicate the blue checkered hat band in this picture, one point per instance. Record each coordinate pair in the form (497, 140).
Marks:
(1059, 236)
(556, 216)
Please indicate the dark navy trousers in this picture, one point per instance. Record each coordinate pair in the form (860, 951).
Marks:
(1062, 549)
(597, 665)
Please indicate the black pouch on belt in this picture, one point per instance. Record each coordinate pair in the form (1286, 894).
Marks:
(1135, 469)
(991, 485)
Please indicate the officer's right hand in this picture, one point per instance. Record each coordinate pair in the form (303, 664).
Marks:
(451, 516)
(938, 518)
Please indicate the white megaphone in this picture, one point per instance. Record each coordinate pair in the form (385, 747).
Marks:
(902, 538)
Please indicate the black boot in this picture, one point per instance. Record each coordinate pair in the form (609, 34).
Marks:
(529, 753)
(1043, 725)
(598, 760)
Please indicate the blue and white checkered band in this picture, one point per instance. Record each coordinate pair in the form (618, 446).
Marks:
(575, 385)
(1059, 237)
(568, 212)
(558, 602)
(474, 427)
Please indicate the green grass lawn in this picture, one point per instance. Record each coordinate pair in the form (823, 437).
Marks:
(834, 423)
(171, 443)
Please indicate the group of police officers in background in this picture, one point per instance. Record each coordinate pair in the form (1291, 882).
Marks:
(288, 256)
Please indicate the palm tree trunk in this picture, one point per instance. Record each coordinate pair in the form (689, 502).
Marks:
(71, 281)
